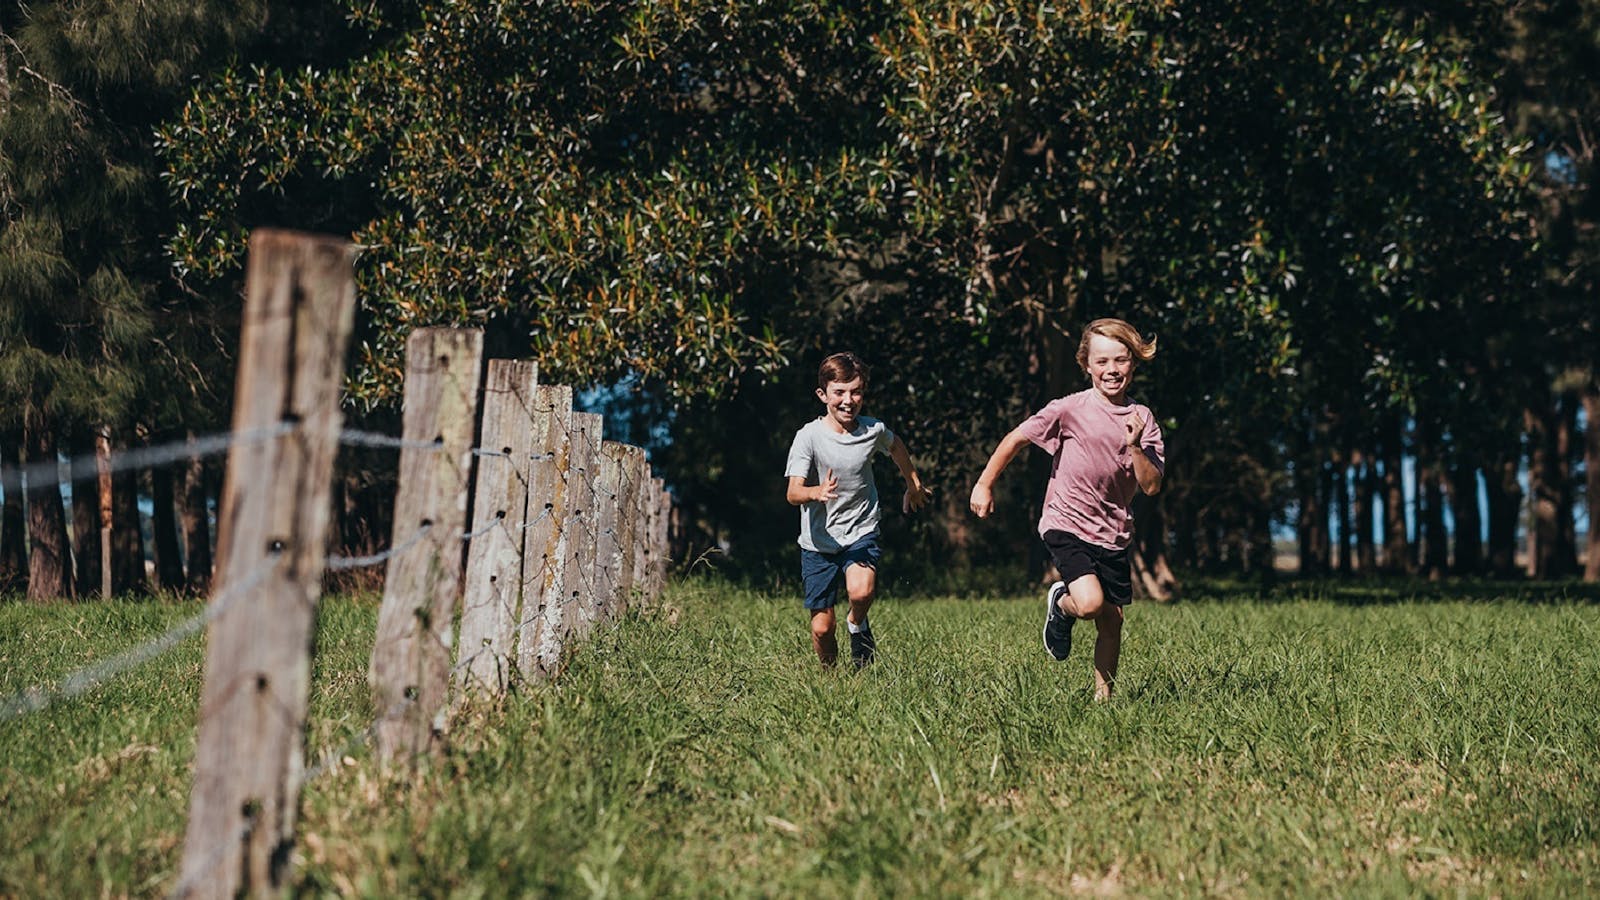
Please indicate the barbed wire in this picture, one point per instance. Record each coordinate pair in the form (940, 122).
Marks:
(89, 677)
(345, 563)
(48, 472)
(358, 438)
(327, 760)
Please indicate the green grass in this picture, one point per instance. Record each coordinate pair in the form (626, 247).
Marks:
(1383, 745)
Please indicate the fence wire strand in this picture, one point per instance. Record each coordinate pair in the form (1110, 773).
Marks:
(89, 677)
(41, 474)
(345, 563)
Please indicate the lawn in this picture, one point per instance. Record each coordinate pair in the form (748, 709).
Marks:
(1377, 742)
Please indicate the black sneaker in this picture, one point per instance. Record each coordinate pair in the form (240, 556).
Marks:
(1057, 624)
(863, 649)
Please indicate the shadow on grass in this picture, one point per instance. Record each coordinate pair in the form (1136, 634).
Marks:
(1379, 591)
(905, 582)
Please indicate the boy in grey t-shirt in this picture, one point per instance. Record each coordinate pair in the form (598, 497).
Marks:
(830, 479)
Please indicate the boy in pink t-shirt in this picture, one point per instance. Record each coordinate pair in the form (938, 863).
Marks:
(1103, 448)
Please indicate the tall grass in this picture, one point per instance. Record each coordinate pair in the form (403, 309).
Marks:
(1404, 747)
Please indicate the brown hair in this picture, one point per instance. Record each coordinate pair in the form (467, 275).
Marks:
(841, 367)
(1117, 330)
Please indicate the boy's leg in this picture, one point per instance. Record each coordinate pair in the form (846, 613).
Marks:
(822, 639)
(861, 585)
(1084, 598)
(819, 575)
(1107, 649)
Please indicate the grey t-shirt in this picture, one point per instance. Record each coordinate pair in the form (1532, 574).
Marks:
(832, 526)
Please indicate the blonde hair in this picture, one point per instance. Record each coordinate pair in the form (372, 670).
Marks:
(1120, 331)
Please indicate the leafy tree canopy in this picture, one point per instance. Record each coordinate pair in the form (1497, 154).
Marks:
(1317, 207)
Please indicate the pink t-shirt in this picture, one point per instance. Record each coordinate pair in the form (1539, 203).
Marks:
(1091, 470)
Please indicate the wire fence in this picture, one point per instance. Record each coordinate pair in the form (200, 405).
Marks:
(89, 677)
(560, 511)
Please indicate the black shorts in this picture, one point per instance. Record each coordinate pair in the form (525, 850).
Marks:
(1075, 557)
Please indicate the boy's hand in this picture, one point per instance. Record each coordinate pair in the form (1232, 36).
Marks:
(1135, 430)
(916, 498)
(828, 489)
(982, 501)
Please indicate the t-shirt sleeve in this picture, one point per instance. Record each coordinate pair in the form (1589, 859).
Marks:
(885, 439)
(1046, 428)
(1154, 444)
(799, 456)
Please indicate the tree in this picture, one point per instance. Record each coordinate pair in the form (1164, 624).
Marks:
(705, 197)
(94, 330)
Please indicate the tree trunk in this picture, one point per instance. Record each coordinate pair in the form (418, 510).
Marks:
(194, 512)
(1435, 557)
(85, 513)
(1435, 543)
(1312, 524)
(164, 530)
(1505, 506)
(1366, 496)
(49, 555)
(127, 540)
(1341, 507)
(1260, 556)
(1463, 489)
(1185, 535)
(1396, 540)
(1552, 545)
(13, 520)
(1152, 577)
(1591, 465)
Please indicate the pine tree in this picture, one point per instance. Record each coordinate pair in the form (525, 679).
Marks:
(95, 329)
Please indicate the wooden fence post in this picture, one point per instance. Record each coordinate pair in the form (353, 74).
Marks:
(410, 672)
(539, 637)
(492, 588)
(272, 532)
(661, 540)
(583, 530)
(610, 536)
(635, 471)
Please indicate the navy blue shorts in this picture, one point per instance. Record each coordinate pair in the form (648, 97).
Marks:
(1075, 557)
(822, 573)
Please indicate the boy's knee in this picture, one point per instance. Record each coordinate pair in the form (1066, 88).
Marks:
(1090, 607)
(822, 624)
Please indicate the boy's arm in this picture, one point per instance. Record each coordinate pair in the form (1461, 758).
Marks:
(982, 501)
(916, 495)
(1144, 468)
(799, 492)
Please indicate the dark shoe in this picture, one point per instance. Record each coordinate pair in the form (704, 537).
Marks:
(863, 649)
(1057, 624)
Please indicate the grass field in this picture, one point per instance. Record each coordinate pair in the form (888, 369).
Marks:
(1370, 743)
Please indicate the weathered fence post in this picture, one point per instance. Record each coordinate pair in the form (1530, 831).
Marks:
(249, 757)
(578, 530)
(609, 498)
(634, 471)
(410, 672)
(661, 539)
(643, 537)
(539, 638)
(583, 531)
(493, 583)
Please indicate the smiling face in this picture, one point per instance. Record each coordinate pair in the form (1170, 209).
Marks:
(1110, 367)
(843, 399)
